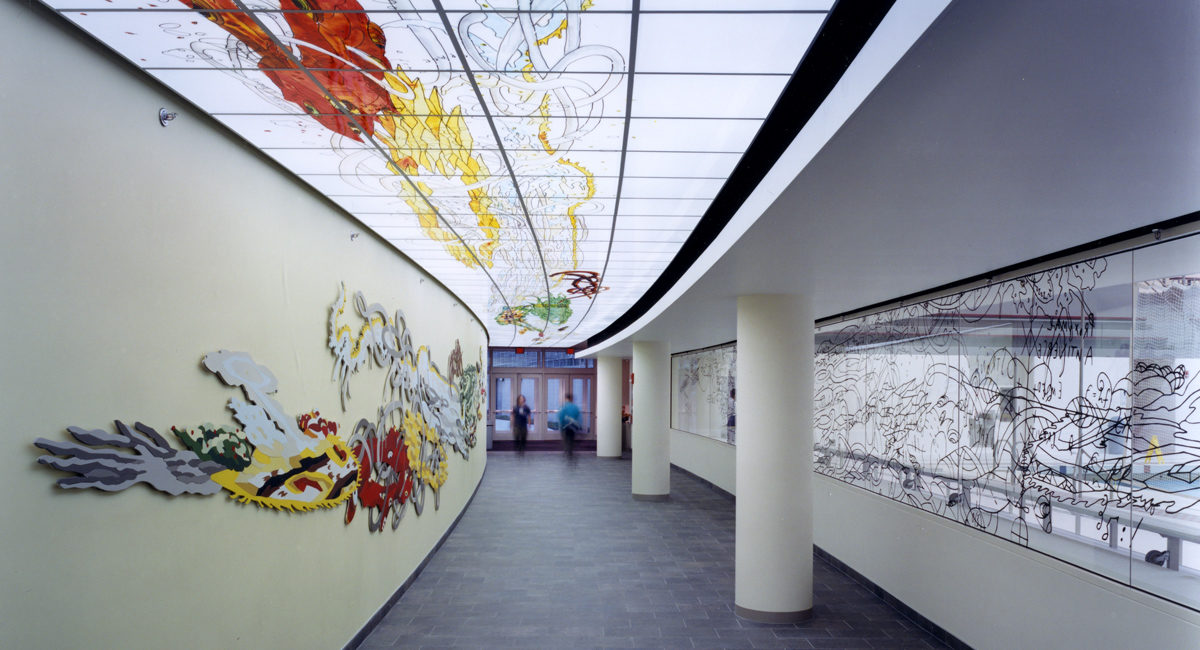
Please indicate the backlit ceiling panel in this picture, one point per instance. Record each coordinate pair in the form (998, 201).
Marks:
(545, 159)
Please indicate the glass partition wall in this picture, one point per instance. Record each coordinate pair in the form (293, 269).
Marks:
(703, 393)
(1057, 410)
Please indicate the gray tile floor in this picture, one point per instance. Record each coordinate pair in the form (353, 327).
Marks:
(556, 554)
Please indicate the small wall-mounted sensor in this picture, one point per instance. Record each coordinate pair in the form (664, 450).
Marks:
(354, 235)
(165, 116)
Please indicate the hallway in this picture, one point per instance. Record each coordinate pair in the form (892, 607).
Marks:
(557, 555)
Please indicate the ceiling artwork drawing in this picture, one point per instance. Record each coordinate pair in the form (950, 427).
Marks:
(544, 159)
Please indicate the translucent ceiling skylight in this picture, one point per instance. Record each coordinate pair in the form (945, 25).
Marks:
(545, 159)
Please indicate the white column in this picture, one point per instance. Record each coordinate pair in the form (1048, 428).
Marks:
(773, 552)
(651, 438)
(608, 407)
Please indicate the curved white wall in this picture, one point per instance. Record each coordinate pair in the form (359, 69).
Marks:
(710, 459)
(131, 250)
(988, 592)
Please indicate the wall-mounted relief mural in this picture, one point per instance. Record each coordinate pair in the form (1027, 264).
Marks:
(1057, 410)
(300, 463)
(275, 460)
(702, 392)
(403, 449)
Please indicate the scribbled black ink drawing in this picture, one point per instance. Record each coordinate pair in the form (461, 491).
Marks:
(1062, 403)
(703, 384)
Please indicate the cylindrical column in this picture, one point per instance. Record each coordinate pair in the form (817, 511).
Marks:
(773, 553)
(608, 407)
(651, 437)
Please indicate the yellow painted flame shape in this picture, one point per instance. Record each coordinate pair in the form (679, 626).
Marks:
(321, 477)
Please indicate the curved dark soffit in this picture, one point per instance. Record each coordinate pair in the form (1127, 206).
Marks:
(846, 30)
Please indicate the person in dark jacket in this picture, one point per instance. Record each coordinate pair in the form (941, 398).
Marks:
(520, 422)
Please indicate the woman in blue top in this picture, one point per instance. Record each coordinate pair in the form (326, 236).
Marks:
(569, 424)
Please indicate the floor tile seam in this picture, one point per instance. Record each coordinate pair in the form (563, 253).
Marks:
(678, 579)
(936, 633)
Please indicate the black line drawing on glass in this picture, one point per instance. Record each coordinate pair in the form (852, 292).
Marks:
(703, 384)
(1059, 405)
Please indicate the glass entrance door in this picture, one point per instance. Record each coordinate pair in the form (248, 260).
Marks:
(505, 390)
(557, 388)
(530, 388)
(502, 405)
(545, 394)
(581, 389)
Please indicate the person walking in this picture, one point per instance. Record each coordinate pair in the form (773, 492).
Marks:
(520, 421)
(569, 424)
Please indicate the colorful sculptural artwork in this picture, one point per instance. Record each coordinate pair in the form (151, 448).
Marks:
(330, 60)
(275, 460)
(403, 451)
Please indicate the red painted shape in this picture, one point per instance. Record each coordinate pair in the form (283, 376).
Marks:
(343, 51)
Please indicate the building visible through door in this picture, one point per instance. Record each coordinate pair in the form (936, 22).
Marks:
(544, 377)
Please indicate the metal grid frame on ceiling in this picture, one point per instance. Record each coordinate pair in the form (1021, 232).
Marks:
(604, 129)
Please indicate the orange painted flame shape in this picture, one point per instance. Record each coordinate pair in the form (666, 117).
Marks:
(343, 50)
